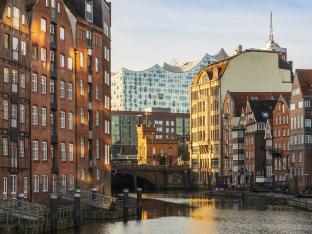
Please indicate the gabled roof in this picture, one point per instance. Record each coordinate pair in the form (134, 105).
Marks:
(77, 7)
(2, 7)
(262, 109)
(30, 4)
(239, 99)
(305, 81)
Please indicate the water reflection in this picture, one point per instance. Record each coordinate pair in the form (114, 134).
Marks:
(197, 214)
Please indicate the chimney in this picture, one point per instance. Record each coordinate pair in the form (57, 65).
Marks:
(239, 49)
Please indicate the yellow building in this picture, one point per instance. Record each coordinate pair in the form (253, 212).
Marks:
(153, 150)
(246, 71)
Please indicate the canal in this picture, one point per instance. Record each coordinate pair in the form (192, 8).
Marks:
(195, 213)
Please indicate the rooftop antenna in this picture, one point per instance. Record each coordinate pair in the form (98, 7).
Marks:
(271, 28)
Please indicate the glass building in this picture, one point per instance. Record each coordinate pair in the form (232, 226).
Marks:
(160, 87)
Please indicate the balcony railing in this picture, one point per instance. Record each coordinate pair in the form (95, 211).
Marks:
(53, 102)
(53, 14)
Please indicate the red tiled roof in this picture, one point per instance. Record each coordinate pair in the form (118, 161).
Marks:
(305, 81)
(240, 98)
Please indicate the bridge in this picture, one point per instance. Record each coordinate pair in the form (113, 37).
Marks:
(149, 176)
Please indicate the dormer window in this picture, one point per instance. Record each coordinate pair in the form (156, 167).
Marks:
(89, 10)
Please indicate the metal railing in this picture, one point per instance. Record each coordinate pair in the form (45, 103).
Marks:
(23, 209)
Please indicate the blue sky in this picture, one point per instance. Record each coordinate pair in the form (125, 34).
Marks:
(146, 32)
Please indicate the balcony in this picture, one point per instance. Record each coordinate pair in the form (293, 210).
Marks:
(89, 78)
(53, 102)
(53, 43)
(90, 135)
(53, 15)
(89, 42)
(53, 72)
(14, 88)
(54, 138)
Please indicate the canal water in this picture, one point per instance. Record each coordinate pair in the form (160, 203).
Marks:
(195, 213)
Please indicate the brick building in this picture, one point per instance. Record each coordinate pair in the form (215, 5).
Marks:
(168, 126)
(254, 118)
(280, 140)
(233, 156)
(300, 137)
(55, 88)
(14, 100)
(153, 150)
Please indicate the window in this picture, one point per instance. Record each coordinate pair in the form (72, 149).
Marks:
(81, 87)
(71, 180)
(62, 61)
(106, 53)
(70, 91)
(81, 116)
(300, 104)
(21, 148)
(16, 18)
(45, 180)
(63, 151)
(15, 48)
(13, 184)
(13, 116)
(307, 103)
(97, 118)
(70, 152)
(25, 185)
(62, 89)
(47, 3)
(82, 174)
(44, 146)
(292, 106)
(9, 12)
(43, 116)
(70, 63)
(107, 102)
(34, 83)
(43, 85)
(82, 147)
(97, 149)
(22, 80)
(107, 78)
(97, 92)
(5, 109)
(63, 119)
(43, 25)
(70, 120)
(308, 139)
(81, 59)
(107, 157)
(43, 54)
(5, 146)
(6, 75)
(107, 127)
(34, 51)
(308, 123)
(35, 150)
(58, 7)
(98, 174)
(23, 48)
(36, 183)
(34, 114)
(5, 185)
(96, 64)
(89, 10)
(7, 41)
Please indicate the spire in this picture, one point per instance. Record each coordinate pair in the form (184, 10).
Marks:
(271, 29)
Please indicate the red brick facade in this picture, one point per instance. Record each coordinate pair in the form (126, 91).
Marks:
(14, 100)
(55, 87)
